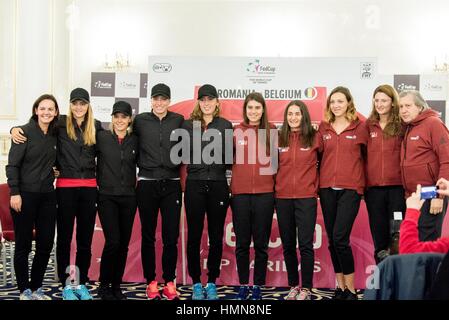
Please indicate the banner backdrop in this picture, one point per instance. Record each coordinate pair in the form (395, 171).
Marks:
(280, 80)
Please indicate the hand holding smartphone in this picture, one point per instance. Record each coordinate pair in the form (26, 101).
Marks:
(429, 192)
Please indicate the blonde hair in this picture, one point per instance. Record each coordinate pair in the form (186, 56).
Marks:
(197, 114)
(351, 113)
(417, 98)
(89, 131)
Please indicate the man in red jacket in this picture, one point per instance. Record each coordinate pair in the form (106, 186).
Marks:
(424, 158)
(408, 239)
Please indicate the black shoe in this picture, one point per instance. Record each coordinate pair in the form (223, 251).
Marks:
(118, 294)
(350, 295)
(339, 294)
(105, 293)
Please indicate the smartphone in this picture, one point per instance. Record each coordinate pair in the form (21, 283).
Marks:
(429, 192)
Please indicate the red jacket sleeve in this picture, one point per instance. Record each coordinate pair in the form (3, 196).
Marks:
(440, 145)
(409, 240)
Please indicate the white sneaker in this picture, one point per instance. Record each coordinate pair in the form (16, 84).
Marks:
(293, 293)
(39, 295)
(26, 295)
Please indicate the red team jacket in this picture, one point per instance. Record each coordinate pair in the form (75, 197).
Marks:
(342, 163)
(383, 157)
(297, 175)
(246, 177)
(424, 152)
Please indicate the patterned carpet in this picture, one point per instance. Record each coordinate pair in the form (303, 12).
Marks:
(136, 291)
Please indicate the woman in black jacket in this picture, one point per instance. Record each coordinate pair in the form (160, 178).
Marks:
(207, 191)
(116, 178)
(33, 200)
(76, 192)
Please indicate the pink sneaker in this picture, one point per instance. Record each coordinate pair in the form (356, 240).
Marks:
(304, 294)
(153, 291)
(169, 292)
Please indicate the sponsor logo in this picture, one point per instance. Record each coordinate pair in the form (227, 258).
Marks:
(373, 134)
(414, 138)
(257, 68)
(402, 86)
(162, 67)
(327, 137)
(305, 149)
(283, 149)
(366, 70)
(128, 85)
(433, 87)
(102, 85)
(351, 137)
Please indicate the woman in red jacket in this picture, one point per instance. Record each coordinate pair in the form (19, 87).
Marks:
(252, 187)
(296, 195)
(424, 158)
(342, 180)
(384, 194)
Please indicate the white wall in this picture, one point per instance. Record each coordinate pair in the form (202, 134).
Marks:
(59, 42)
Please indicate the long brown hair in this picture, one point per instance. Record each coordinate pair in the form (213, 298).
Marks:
(264, 124)
(89, 130)
(197, 114)
(307, 131)
(351, 112)
(393, 127)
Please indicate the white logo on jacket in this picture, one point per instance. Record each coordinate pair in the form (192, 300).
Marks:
(305, 149)
(373, 134)
(414, 138)
(351, 137)
(284, 149)
(242, 142)
(327, 137)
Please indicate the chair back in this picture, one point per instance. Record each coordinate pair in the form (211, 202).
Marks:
(5, 213)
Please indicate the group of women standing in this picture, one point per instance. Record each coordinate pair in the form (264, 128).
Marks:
(95, 170)
(338, 163)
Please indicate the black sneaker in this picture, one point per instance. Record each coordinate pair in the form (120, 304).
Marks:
(350, 295)
(256, 293)
(339, 294)
(105, 293)
(118, 294)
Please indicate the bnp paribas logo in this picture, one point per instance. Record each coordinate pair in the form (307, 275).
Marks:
(256, 67)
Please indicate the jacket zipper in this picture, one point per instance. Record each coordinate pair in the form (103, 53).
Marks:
(382, 159)
(160, 142)
(121, 159)
(254, 165)
(336, 160)
(404, 141)
(295, 142)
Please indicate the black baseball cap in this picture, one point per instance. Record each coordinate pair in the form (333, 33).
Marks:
(207, 90)
(79, 94)
(160, 89)
(122, 107)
